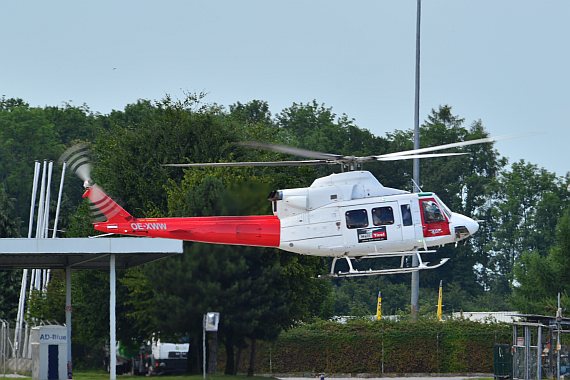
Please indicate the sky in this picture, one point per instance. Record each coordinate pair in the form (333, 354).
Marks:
(504, 62)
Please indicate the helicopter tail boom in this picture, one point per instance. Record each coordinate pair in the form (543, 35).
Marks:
(256, 230)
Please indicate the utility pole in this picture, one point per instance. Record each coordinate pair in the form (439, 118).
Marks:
(416, 275)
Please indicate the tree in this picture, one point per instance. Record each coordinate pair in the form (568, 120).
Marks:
(9, 279)
(464, 183)
(139, 139)
(540, 278)
(525, 208)
(257, 291)
(260, 291)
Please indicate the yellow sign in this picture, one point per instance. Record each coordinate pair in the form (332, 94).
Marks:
(440, 302)
(379, 307)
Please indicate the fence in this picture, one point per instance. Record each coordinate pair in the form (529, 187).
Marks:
(15, 347)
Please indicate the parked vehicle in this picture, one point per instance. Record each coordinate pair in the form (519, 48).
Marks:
(158, 358)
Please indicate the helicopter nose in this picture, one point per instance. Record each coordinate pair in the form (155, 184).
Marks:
(472, 225)
(464, 226)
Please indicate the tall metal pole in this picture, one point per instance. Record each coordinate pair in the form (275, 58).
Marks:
(68, 312)
(112, 321)
(36, 273)
(204, 346)
(24, 285)
(47, 200)
(558, 344)
(59, 200)
(45, 272)
(416, 275)
(41, 204)
(37, 168)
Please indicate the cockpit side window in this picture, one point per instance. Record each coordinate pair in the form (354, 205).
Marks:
(356, 218)
(432, 212)
(444, 207)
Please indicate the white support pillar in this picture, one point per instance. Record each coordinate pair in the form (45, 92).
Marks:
(47, 201)
(68, 311)
(55, 221)
(41, 203)
(112, 322)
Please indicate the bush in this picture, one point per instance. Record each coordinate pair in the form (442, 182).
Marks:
(363, 346)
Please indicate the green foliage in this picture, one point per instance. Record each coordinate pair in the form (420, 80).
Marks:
(90, 295)
(363, 346)
(28, 134)
(136, 141)
(9, 222)
(260, 291)
(10, 285)
(50, 305)
(257, 291)
(525, 208)
(541, 278)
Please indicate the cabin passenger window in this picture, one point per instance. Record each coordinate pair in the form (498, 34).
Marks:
(432, 213)
(406, 215)
(356, 219)
(382, 216)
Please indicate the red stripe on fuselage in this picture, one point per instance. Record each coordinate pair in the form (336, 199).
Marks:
(262, 231)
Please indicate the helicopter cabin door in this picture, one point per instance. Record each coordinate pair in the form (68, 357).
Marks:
(411, 223)
(372, 228)
(434, 220)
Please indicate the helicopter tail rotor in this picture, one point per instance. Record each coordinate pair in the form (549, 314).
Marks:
(103, 207)
(77, 157)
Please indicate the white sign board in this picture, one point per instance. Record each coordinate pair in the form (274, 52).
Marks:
(211, 320)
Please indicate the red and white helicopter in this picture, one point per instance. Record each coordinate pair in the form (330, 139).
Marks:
(349, 215)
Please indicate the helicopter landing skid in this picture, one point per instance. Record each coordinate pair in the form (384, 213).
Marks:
(375, 272)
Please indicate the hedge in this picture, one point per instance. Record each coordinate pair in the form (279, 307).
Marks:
(377, 347)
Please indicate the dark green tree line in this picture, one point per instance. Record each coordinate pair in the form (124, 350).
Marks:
(262, 291)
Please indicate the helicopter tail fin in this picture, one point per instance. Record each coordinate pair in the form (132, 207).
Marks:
(103, 207)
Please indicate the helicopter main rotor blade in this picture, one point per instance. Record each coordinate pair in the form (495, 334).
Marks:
(440, 147)
(321, 158)
(291, 150)
(254, 163)
(412, 156)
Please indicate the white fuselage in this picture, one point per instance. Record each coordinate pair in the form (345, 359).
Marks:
(351, 214)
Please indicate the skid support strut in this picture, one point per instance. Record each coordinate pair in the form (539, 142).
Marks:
(352, 272)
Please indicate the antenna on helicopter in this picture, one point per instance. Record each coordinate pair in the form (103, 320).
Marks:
(417, 186)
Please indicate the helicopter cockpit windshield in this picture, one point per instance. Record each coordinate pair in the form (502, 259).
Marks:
(435, 211)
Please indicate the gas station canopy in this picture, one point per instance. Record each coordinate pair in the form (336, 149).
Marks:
(84, 253)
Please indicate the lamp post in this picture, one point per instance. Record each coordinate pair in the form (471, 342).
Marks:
(209, 323)
(416, 171)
